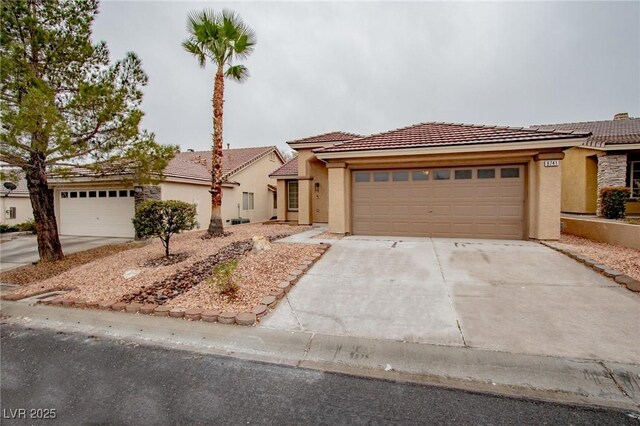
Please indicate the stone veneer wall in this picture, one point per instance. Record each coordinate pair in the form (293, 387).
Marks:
(147, 192)
(612, 171)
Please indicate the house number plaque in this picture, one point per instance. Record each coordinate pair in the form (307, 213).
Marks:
(551, 163)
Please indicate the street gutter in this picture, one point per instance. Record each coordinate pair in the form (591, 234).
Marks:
(565, 380)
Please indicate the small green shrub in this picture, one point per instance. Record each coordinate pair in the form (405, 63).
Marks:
(163, 219)
(613, 201)
(4, 228)
(224, 278)
(28, 226)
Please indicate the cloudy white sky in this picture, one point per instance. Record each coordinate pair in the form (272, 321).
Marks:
(370, 67)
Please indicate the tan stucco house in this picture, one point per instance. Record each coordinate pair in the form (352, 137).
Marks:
(609, 157)
(430, 179)
(104, 206)
(15, 204)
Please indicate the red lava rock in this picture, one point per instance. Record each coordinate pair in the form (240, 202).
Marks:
(133, 307)
(80, 304)
(227, 317)
(177, 312)
(93, 305)
(193, 314)
(268, 300)
(210, 316)
(119, 306)
(69, 301)
(162, 311)
(277, 292)
(246, 318)
(147, 309)
(259, 310)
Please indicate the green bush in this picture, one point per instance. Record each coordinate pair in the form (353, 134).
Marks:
(28, 226)
(163, 219)
(613, 201)
(4, 228)
(224, 277)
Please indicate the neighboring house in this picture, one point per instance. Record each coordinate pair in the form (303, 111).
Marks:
(15, 205)
(431, 179)
(104, 206)
(609, 157)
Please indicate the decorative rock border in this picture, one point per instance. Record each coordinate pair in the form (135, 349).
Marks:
(268, 302)
(620, 278)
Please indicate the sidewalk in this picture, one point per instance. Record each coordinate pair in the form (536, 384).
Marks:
(543, 377)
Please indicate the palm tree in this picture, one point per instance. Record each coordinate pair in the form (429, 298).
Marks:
(222, 38)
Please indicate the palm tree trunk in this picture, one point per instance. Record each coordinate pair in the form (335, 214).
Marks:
(215, 225)
(41, 196)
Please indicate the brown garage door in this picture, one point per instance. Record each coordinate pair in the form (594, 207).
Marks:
(471, 202)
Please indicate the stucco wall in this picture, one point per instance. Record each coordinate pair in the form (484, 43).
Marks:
(23, 207)
(610, 232)
(579, 181)
(190, 193)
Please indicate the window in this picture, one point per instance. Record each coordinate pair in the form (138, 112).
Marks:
(381, 177)
(82, 194)
(486, 173)
(102, 194)
(123, 193)
(64, 194)
(10, 213)
(275, 200)
(132, 193)
(634, 178)
(462, 174)
(420, 175)
(511, 172)
(92, 194)
(292, 195)
(247, 201)
(363, 176)
(113, 193)
(73, 194)
(441, 174)
(400, 176)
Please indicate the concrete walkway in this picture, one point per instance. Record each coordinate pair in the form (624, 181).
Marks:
(23, 250)
(509, 296)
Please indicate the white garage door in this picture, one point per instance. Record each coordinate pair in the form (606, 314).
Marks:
(464, 202)
(97, 212)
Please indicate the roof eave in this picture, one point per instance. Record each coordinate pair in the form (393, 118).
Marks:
(564, 143)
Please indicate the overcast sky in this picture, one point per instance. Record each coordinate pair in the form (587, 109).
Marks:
(370, 67)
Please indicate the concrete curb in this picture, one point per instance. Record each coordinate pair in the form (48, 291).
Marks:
(577, 381)
(626, 281)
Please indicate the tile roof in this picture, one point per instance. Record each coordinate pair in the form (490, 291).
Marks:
(21, 184)
(606, 132)
(327, 137)
(290, 168)
(447, 134)
(197, 164)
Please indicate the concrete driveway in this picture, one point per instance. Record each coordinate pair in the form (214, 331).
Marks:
(511, 296)
(23, 250)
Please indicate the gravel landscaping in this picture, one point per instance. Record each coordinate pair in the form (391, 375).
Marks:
(259, 272)
(622, 259)
(44, 270)
(124, 273)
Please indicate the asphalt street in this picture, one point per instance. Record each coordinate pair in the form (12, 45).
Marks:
(101, 381)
